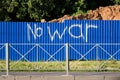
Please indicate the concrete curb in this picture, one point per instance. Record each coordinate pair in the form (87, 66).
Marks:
(59, 77)
(71, 77)
(7, 77)
(94, 77)
(112, 77)
(38, 77)
(22, 77)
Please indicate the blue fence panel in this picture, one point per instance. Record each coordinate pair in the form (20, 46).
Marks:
(70, 31)
(2, 52)
(78, 31)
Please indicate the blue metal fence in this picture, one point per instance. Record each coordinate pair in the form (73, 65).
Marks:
(78, 31)
(87, 33)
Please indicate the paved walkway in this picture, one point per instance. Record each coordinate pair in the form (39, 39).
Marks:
(61, 76)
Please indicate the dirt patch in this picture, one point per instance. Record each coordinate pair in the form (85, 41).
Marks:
(102, 13)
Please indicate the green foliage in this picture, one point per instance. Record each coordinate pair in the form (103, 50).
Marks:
(35, 10)
(10, 10)
(93, 4)
(39, 9)
(67, 7)
(80, 7)
(117, 2)
(25, 10)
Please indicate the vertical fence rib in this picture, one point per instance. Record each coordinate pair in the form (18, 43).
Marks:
(7, 58)
(67, 60)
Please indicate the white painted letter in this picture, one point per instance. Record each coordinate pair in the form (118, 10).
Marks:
(76, 25)
(87, 27)
(28, 31)
(56, 33)
(34, 32)
(38, 29)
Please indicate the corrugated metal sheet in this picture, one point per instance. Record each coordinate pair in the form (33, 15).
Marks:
(70, 32)
(86, 33)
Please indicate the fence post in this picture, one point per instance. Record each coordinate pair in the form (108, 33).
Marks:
(37, 59)
(7, 58)
(67, 60)
(37, 52)
(97, 56)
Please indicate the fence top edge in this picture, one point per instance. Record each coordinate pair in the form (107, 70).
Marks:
(53, 22)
